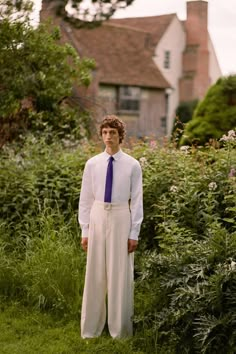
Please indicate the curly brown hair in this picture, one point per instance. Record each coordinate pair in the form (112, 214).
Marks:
(113, 121)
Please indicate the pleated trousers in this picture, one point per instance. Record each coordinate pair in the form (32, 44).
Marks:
(109, 273)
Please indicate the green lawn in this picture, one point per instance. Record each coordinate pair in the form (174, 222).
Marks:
(25, 331)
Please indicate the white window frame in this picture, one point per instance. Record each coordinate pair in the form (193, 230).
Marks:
(129, 99)
(167, 56)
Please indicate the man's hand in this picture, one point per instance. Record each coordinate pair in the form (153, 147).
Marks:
(84, 243)
(132, 245)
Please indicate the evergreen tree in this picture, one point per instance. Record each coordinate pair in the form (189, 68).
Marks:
(215, 114)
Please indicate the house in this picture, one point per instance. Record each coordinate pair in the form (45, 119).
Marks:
(146, 66)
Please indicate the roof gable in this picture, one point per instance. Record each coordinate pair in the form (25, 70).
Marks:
(155, 25)
(123, 55)
(123, 49)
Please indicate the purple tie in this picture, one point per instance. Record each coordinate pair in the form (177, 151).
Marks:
(109, 177)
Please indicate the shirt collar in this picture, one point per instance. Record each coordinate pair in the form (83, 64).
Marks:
(116, 156)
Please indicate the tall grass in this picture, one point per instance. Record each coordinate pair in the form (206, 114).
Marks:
(47, 268)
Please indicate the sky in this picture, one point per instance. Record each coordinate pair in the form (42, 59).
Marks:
(221, 23)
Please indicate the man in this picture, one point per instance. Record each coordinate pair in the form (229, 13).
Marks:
(110, 216)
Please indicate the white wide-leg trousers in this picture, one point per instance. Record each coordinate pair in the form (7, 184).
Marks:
(109, 272)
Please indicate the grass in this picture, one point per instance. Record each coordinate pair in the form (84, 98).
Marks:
(28, 331)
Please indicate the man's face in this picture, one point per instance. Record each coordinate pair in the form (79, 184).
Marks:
(111, 137)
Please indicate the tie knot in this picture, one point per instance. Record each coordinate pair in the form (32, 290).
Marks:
(111, 158)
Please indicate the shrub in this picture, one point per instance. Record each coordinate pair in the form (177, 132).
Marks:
(38, 177)
(187, 273)
(215, 114)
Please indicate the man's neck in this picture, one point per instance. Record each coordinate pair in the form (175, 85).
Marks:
(111, 151)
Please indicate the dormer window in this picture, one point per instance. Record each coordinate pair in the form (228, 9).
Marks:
(167, 59)
(129, 99)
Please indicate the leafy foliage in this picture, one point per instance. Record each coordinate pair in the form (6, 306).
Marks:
(187, 276)
(215, 115)
(37, 74)
(184, 114)
(186, 263)
(39, 177)
(87, 14)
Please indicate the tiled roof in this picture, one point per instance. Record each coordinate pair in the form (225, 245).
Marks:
(122, 48)
(156, 25)
(123, 55)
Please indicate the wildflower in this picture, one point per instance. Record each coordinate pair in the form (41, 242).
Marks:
(232, 133)
(232, 172)
(153, 144)
(173, 189)
(143, 161)
(212, 186)
(232, 265)
(19, 160)
(184, 148)
(230, 137)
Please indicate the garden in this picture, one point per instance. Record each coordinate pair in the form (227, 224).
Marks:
(185, 266)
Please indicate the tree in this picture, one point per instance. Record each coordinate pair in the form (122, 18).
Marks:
(215, 114)
(84, 12)
(36, 75)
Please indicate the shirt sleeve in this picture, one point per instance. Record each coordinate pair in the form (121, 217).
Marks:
(86, 200)
(136, 202)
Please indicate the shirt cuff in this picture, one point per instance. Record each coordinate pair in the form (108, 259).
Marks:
(134, 232)
(133, 235)
(85, 230)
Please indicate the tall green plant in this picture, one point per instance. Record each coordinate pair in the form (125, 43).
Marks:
(215, 114)
(187, 276)
(36, 79)
(39, 177)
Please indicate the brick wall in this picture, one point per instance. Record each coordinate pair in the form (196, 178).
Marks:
(196, 79)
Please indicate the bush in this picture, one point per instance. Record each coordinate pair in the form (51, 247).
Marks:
(187, 273)
(215, 114)
(38, 177)
(37, 82)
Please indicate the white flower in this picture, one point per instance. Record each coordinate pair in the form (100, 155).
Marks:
(143, 161)
(232, 265)
(173, 189)
(232, 133)
(212, 186)
(184, 148)
(230, 137)
(224, 138)
(19, 160)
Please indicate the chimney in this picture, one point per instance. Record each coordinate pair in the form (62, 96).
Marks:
(195, 80)
(196, 23)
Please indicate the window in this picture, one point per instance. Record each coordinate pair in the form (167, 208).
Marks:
(129, 99)
(167, 59)
(163, 124)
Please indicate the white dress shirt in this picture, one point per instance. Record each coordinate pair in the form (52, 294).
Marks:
(127, 185)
